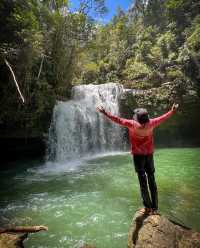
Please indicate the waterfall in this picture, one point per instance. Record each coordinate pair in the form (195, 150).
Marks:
(78, 130)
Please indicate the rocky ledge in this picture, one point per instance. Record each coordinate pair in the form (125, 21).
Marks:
(156, 231)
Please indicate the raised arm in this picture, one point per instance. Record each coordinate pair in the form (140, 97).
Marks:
(116, 119)
(157, 121)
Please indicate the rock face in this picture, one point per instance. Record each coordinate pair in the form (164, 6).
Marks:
(155, 231)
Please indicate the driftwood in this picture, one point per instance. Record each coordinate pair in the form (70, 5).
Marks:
(14, 78)
(23, 229)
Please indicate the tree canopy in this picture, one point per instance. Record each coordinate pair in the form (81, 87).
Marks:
(51, 48)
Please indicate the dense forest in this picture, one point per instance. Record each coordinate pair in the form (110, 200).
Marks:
(52, 48)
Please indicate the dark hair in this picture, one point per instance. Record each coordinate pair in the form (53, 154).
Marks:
(141, 115)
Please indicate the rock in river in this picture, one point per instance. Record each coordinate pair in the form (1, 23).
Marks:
(157, 231)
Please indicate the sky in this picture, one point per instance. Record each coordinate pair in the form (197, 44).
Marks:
(112, 8)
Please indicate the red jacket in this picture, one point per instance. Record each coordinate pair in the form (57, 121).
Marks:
(140, 135)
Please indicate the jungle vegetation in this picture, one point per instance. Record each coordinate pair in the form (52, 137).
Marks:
(52, 48)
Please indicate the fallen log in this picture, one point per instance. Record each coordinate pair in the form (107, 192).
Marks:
(24, 229)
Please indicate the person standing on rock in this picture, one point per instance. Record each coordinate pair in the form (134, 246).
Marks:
(142, 147)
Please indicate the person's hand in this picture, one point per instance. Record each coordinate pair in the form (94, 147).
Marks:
(101, 109)
(174, 107)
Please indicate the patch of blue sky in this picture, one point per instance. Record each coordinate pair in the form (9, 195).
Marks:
(111, 5)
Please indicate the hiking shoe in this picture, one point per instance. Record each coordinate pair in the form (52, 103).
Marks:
(145, 210)
(154, 212)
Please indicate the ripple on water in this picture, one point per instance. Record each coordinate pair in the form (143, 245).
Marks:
(93, 201)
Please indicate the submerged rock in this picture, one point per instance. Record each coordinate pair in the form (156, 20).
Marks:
(156, 231)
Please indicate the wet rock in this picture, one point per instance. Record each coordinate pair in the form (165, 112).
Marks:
(88, 246)
(8, 240)
(155, 231)
(9, 237)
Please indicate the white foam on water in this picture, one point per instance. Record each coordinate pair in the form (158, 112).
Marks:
(58, 168)
(52, 168)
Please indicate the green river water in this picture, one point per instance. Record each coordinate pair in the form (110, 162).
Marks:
(93, 201)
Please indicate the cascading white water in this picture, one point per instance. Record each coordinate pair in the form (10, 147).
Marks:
(78, 130)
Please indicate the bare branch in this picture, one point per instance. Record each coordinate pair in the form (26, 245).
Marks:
(40, 70)
(13, 74)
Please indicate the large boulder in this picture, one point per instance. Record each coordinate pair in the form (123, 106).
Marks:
(156, 231)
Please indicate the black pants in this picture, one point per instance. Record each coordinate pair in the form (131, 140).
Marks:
(144, 166)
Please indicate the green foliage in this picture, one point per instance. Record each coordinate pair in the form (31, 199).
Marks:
(155, 14)
(163, 50)
(153, 47)
(135, 69)
(51, 49)
(182, 12)
(90, 73)
(193, 39)
(173, 73)
(42, 40)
